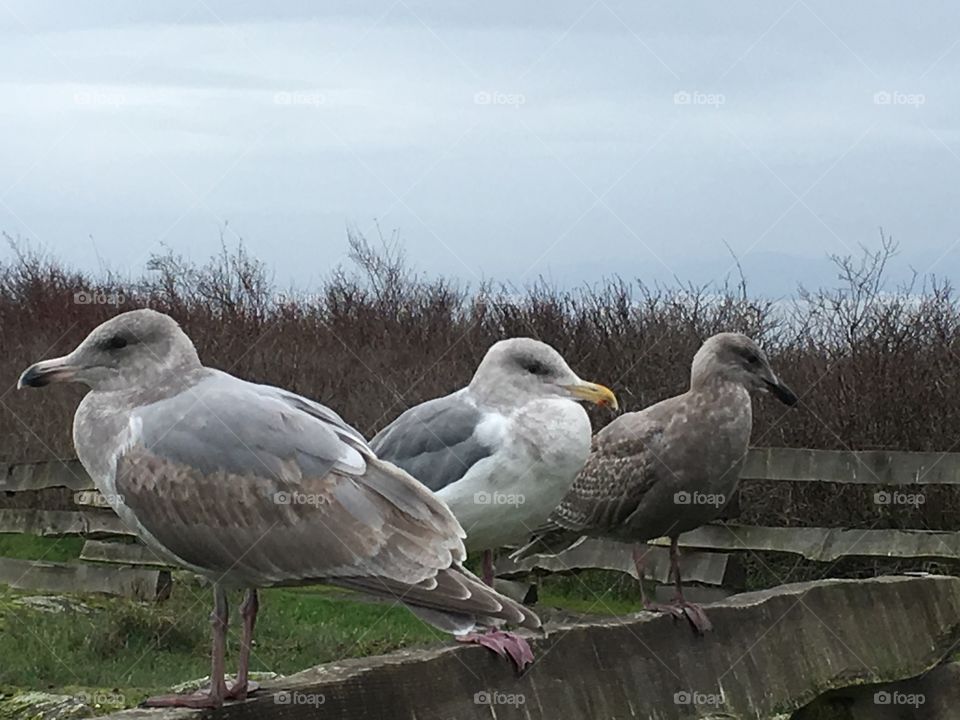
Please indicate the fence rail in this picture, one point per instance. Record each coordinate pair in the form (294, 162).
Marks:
(57, 498)
(861, 467)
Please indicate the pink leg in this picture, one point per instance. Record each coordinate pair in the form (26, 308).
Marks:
(504, 644)
(488, 569)
(639, 562)
(693, 612)
(212, 697)
(678, 608)
(243, 686)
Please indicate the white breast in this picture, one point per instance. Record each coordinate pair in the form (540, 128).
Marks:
(505, 497)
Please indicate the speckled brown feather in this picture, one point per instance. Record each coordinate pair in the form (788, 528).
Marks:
(687, 445)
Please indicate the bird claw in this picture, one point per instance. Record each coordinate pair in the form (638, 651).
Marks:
(200, 700)
(238, 692)
(204, 698)
(680, 608)
(504, 644)
(696, 617)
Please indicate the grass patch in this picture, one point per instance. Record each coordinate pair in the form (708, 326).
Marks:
(107, 647)
(31, 547)
(595, 592)
(143, 648)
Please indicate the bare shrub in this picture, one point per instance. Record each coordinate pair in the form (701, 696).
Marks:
(875, 368)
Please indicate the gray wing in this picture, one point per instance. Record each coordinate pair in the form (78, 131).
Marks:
(346, 432)
(437, 441)
(235, 478)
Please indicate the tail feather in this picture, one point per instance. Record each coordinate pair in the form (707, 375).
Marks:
(452, 623)
(553, 542)
(454, 600)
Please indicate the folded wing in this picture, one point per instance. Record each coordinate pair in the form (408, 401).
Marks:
(440, 440)
(262, 487)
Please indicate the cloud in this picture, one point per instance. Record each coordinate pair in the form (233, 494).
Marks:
(500, 139)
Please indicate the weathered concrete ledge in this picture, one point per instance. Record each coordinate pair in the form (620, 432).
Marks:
(770, 653)
(935, 695)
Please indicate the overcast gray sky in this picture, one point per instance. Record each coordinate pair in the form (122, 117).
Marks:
(572, 140)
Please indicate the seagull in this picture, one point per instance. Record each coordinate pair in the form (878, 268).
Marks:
(671, 467)
(253, 486)
(503, 451)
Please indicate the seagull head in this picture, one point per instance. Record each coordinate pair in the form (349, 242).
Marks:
(736, 358)
(133, 349)
(521, 369)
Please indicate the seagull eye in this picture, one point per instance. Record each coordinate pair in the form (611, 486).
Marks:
(116, 342)
(752, 358)
(536, 367)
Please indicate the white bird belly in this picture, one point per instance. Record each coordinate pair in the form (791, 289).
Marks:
(503, 498)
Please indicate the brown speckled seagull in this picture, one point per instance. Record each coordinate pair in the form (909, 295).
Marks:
(672, 467)
(253, 486)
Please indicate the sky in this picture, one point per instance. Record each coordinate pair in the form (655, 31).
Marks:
(566, 140)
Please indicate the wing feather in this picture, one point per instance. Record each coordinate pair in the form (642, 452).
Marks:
(255, 486)
(438, 441)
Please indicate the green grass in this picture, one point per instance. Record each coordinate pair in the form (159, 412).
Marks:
(144, 648)
(153, 645)
(31, 547)
(113, 647)
(595, 592)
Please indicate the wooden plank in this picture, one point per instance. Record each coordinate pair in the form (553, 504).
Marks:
(871, 467)
(61, 522)
(122, 553)
(709, 568)
(138, 583)
(42, 475)
(824, 544)
(789, 464)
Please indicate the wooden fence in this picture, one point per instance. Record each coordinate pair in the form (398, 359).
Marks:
(58, 499)
(711, 553)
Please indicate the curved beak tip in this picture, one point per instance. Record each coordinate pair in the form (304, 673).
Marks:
(43, 373)
(783, 393)
(598, 394)
(28, 378)
(610, 402)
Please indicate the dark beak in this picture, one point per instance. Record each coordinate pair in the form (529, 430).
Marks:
(46, 372)
(782, 393)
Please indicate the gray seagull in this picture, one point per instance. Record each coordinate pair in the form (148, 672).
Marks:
(503, 451)
(253, 486)
(671, 467)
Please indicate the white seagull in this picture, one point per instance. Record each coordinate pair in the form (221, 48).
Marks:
(503, 451)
